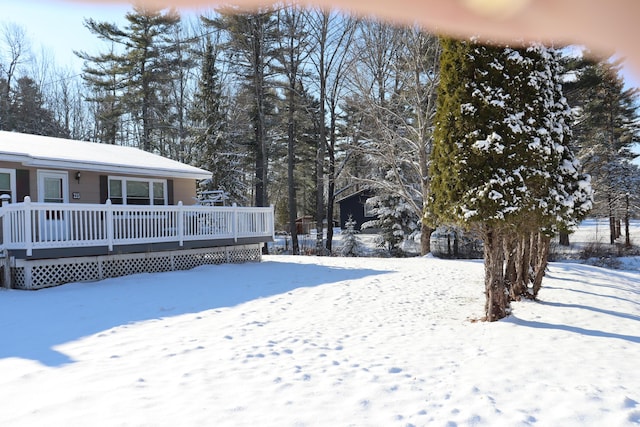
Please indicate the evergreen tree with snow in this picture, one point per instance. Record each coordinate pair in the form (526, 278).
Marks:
(396, 220)
(210, 135)
(350, 242)
(607, 126)
(501, 163)
(250, 42)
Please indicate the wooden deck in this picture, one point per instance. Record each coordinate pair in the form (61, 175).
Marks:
(33, 232)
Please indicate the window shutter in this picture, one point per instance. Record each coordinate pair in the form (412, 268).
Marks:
(104, 188)
(170, 192)
(22, 184)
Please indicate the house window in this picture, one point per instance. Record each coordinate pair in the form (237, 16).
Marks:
(115, 191)
(8, 183)
(158, 193)
(138, 193)
(130, 191)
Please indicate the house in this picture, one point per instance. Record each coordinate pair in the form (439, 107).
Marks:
(305, 224)
(356, 206)
(83, 211)
(66, 171)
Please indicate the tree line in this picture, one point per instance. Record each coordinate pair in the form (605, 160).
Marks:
(299, 107)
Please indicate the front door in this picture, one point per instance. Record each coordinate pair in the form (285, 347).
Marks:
(53, 187)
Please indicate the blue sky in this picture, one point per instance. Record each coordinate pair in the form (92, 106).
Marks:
(57, 25)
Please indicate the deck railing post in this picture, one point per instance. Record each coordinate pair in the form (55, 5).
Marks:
(28, 238)
(6, 236)
(5, 199)
(180, 223)
(270, 223)
(235, 222)
(109, 224)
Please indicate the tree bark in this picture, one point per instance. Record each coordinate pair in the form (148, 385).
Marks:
(523, 263)
(497, 302)
(627, 237)
(331, 191)
(322, 138)
(425, 238)
(541, 262)
(618, 228)
(291, 193)
(510, 270)
(612, 222)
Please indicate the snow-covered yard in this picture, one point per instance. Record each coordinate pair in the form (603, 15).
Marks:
(319, 341)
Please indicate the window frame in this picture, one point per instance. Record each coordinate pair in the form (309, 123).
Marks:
(150, 183)
(12, 183)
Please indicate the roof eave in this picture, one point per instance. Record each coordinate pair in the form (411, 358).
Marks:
(114, 169)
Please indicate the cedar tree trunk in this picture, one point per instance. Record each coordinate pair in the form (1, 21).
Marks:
(497, 301)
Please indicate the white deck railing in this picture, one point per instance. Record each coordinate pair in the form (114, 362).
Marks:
(30, 225)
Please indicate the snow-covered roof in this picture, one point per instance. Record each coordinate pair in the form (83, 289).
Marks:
(364, 191)
(44, 151)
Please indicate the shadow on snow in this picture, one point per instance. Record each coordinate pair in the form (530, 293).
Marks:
(32, 323)
(594, 281)
(569, 328)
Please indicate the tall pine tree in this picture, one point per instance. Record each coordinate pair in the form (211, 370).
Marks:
(211, 139)
(607, 126)
(251, 37)
(134, 73)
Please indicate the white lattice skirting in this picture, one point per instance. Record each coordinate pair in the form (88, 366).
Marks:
(37, 274)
